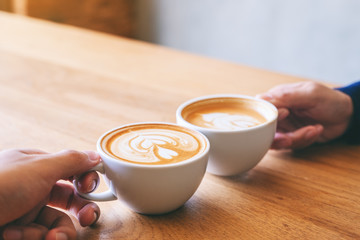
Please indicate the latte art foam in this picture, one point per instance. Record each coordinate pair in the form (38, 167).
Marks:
(153, 144)
(227, 121)
(224, 113)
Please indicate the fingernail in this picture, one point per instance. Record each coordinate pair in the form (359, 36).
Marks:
(95, 218)
(92, 186)
(93, 156)
(12, 234)
(61, 236)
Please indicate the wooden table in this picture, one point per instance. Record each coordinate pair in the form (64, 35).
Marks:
(62, 87)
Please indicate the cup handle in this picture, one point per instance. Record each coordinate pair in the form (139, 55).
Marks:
(103, 196)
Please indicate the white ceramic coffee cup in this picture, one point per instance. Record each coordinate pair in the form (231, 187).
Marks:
(150, 189)
(235, 151)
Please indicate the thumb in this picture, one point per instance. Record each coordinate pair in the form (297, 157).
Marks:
(68, 163)
(296, 95)
(277, 99)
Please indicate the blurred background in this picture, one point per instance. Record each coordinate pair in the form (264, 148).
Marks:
(317, 39)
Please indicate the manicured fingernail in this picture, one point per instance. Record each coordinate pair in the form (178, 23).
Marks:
(61, 236)
(12, 234)
(92, 186)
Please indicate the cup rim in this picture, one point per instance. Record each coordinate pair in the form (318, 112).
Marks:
(214, 96)
(156, 166)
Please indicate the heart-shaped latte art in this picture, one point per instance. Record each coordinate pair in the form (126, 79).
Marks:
(151, 146)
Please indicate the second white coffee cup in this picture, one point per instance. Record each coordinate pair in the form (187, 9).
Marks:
(240, 129)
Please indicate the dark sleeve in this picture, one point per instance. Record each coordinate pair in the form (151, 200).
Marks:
(352, 135)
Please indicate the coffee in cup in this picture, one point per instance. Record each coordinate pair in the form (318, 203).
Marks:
(240, 129)
(154, 168)
(224, 113)
(153, 144)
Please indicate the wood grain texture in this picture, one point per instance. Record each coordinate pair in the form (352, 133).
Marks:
(62, 87)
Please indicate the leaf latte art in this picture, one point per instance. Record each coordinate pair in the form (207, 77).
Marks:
(153, 145)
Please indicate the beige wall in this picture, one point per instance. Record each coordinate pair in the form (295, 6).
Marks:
(318, 39)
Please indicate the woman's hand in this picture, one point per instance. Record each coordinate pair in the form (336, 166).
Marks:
(29, 188)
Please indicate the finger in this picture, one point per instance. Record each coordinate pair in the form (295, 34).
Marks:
(290, 123)
(60, 233)
(88, 182)
(31, 151)
(63, 196)
(31, 231)
(300, 138)
(93, 175)
(32, 214)
(70, 162)
(295, 95)
(281, 141)
(306, 136)
(88, 215)
(283, 113)
(59, 224)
